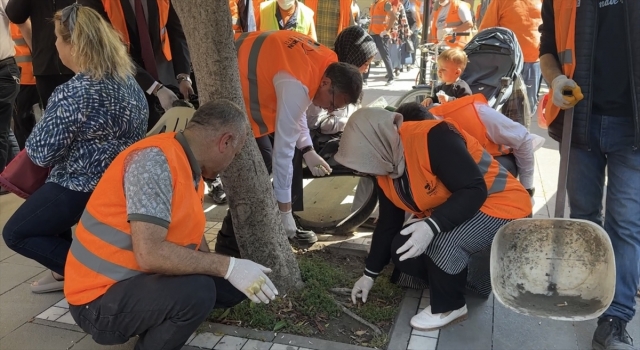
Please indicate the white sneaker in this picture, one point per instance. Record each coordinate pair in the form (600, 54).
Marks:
(426, 321)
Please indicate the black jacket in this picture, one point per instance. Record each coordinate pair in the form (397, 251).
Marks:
(44, 54)
(179, 50)
(585, 39)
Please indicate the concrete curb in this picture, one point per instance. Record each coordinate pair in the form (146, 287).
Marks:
(401, 331)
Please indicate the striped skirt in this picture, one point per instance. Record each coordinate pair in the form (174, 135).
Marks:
(467, 245)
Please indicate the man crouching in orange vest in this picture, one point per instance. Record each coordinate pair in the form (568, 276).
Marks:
(139, 264)
(282, 73)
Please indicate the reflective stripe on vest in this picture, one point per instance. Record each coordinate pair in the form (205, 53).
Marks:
(565, 24)
(114, 11)
(23, 59)
(20, 42)
(500, 181)
(378, 17)
(254, 95)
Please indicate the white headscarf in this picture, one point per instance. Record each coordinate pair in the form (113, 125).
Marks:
(371, 143)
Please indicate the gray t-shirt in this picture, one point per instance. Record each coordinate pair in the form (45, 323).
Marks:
(148, 187)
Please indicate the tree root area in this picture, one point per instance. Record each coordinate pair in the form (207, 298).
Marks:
(317, 310)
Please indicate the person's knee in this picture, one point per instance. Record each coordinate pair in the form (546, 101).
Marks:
(11, 234)
(201, 295)
(399, 241)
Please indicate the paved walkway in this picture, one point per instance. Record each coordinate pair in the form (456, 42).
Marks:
(30, 321)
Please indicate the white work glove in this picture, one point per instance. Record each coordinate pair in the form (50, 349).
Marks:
(421, 237)
(250, 278)
(560, 84)
(361, 289)
(289, 223)
(166, 98)
(316, 164)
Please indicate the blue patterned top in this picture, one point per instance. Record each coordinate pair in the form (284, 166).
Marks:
(86, 124)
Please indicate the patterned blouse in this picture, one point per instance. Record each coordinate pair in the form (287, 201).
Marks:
(87, 123)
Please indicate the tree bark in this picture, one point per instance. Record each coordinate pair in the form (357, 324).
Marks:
(256, 221)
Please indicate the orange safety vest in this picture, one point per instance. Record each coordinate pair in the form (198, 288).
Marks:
(565, 26)
(506, 198)
(113, 8)
(453, 20)
(378, 17)
(101, 253)
(463, 112)
(23, 56)
(261, 55)
(344, 12)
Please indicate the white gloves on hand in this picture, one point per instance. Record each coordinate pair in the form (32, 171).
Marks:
(316, 164)
(289, 223)
(421, 237)
(560, 84)
(361, 288)
(166, 98)
(250, 278)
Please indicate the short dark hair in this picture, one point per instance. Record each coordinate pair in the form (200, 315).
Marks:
(220, 116)
(345, 79)
(414, 112)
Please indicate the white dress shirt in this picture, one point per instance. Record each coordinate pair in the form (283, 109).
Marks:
(7, 48)
(504, 131)
(291, 131)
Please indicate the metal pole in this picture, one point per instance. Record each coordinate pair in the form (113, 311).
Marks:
(426, 24)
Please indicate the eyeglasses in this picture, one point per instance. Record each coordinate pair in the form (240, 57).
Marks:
(333, 108)
(69, 16)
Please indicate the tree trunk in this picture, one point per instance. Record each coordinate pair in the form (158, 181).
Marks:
(256, 221)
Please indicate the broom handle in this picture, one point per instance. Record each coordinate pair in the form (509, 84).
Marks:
(565, 147)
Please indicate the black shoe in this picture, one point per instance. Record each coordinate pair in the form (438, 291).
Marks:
(216, 192)
(611, 334)
(305, 237)
(389, 82)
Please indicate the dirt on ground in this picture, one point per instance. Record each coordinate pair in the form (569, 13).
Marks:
(313, 311)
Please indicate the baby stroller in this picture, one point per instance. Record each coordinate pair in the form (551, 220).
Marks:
(495, 63)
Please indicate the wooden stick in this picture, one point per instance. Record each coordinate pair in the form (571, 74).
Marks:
(341, 291)
(358, 318)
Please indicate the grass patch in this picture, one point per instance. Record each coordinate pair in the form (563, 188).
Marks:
(312, 311)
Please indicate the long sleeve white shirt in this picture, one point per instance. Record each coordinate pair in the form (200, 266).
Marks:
(504, 131)
(291, 131)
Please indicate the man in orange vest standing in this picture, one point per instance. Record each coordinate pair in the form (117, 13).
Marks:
(452, 16)
(382, 18)
(277, 93)
(23, 118)
(523, 18)
(139, 264)
(593, 45)
(157, 44)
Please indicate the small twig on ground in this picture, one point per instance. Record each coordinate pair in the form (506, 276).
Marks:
(375, 329)
(341, 291)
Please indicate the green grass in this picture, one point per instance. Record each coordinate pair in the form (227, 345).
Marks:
(309, 310)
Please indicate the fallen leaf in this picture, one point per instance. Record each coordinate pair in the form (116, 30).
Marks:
(360, 333)
(279, 325)
(320, 327)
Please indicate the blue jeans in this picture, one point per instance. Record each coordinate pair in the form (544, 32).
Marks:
(41, 227)
(531, 75)
(611, 149)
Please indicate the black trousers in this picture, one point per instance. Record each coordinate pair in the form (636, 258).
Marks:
(226, 242)
(162, 310)
(384, 54)
(47, 83)
(446, 291)
(23, 118)
(9, 75)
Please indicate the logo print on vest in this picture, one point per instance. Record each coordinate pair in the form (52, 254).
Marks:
(431, 189)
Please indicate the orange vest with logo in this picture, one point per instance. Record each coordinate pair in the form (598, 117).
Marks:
(565, 25)
(453, 20)
(463, 112)
(506, 198)
(378, 17)
(261, 55)
(23, 56)
(101, 253)
(113, 8)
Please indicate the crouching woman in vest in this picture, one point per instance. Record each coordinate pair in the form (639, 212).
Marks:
(460, 195)
(87, 122)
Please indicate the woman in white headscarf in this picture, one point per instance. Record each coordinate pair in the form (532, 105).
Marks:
(458, 193)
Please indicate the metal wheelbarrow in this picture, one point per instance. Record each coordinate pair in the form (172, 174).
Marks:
(558, 268)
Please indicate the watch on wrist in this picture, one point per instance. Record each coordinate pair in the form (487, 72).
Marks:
(183, 76)
(158, 87)
(531, 191)
(306, 150)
